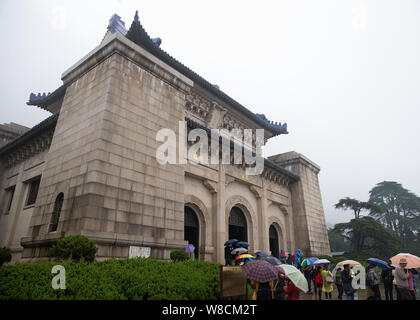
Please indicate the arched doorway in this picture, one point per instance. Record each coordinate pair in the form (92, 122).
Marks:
(191, 228)
(237, 225)
(274, 241)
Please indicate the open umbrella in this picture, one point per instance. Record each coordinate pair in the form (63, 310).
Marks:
(352, 263)
(243, 256)
(413, 262)
(261, 254)
(242, 244)
(260, 271)
(231, 241)
(273, 260)
(280, 269)
(308, 262)
(321, 261)
(296, 277)
(240, 250)
(190, 248)
(377, 262)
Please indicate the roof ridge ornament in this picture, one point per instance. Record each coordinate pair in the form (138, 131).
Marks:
(139, 36)
(272, 123)
(116, 25)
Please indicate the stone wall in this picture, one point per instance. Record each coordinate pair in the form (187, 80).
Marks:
(308, 213)
(102, 156)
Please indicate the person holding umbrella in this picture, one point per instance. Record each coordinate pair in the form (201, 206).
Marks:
(339, 283)
(228, 254)
(373, 282)
(387, 279)
(291, 290)
(327, 282)
(347, 279)
(307, 273)
(401, 280)
(318, 281)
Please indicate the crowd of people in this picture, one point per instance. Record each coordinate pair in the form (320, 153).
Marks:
(321, 280)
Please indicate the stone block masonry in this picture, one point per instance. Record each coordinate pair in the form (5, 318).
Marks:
(102, 157)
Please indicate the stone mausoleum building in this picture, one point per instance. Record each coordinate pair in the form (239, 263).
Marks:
(91, 167)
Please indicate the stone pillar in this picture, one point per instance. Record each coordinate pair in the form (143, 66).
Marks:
(219, 213)
(308, 214)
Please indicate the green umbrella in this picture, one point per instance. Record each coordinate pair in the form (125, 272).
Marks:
(295, 276)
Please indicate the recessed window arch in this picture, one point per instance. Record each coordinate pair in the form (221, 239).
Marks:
(192, 229)
(56, 213)
(237, 225)
(274, 241)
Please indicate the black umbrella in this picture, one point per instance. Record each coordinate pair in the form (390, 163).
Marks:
(233, 241)
(272, 260)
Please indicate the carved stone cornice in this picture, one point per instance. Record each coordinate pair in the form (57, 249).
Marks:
(198, 105)
(210, 185)
(256, 191)
(29, 149)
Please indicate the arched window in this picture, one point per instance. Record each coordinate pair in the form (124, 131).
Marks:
(274, 241)
(191, 228)
(237, 225)
(56, 213)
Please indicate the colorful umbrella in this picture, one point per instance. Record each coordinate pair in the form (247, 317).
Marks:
(242, 256)
(412, 260)
(240, 250)
(352, 263)
(296, 277)
(231, 241)
(190, 248)
(377, 262)
(260, 271)
(308, 262)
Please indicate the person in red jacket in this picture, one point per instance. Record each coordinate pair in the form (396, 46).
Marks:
(319, 281)
(291, 290)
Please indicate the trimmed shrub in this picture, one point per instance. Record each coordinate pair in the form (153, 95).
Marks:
(74, 247)
(5, 255)
(179, 255)
(138, 278)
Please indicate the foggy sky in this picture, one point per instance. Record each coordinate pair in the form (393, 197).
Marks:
(344, 75)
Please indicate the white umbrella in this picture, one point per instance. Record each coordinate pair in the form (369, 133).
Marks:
(240, 250)
(295, 276)
(352, 263)
(321, 261)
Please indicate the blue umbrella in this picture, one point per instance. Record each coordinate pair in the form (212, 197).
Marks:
(243, 244)
(261, 254)
(377, 262)
(231, 241)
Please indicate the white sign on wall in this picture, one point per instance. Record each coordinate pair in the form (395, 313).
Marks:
(135, 252)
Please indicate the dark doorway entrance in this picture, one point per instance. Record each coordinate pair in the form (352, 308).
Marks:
(274, 241)
(191, 228)
(237, 225)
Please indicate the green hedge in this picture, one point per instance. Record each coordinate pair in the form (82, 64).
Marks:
(114, 279)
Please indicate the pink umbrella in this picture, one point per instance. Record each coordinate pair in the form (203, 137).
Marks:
(412, 260)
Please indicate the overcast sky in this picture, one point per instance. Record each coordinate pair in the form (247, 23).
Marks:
(344, 75)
